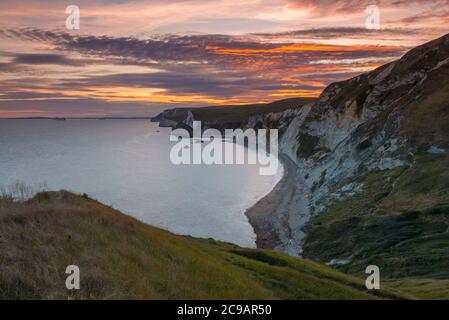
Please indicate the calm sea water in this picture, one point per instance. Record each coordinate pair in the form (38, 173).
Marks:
(126, 164)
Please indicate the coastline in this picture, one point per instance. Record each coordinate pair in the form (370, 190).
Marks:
(278, 219)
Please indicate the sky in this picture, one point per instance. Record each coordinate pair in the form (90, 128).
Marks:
(136, 58)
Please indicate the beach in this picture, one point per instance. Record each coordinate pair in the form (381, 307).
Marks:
(279, 218)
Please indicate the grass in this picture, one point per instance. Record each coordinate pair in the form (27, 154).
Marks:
(428, 289)
(241, 113)
(122, 258)
(399, 222)
(426, 120)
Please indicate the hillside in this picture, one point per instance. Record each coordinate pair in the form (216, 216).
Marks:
(228, 117)
(120, 257)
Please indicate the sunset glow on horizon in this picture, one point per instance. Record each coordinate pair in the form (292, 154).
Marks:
(135, 58)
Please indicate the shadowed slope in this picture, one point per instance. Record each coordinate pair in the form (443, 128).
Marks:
(120, 257)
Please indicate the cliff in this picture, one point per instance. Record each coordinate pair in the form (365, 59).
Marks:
(373, 153)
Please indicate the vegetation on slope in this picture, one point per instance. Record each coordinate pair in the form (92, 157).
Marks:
(399, 222)
(120, 257)
(235, 116)
(242, 113)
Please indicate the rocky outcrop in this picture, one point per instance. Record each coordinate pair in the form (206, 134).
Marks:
(357, 126)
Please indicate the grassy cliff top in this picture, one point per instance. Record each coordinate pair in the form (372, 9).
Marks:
(120, 257)
(237, 113)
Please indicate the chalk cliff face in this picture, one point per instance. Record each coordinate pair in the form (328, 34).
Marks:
(367, 123)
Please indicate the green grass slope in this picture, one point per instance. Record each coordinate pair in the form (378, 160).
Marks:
(399, 222)
(226, 114)
(120, 257)
(237, 115)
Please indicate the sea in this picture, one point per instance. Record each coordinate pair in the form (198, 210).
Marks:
(125, 163)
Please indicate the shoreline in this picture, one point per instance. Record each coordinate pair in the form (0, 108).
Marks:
(277, 179)
(278, 219)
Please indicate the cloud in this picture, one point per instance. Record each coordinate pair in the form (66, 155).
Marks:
(213, 69)
(318, 8)
(299, 47)
(77, 108)
(217, 49)
(55, 59)
(224, 85)
(27, 95)
(442, 16)
(339, 32)
(168, 48)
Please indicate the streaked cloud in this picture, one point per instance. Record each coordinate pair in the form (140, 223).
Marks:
(161, 53)
(193, 69)
(331, 7)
